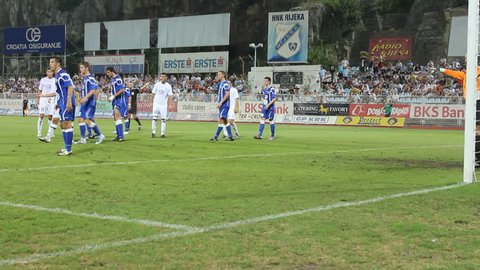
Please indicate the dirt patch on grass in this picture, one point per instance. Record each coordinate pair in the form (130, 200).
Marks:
(417, 163)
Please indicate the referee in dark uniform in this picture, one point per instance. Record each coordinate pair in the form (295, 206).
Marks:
(132, 113)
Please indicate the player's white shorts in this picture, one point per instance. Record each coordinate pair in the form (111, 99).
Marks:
(47, 106)
(231, 114)
(160, 112)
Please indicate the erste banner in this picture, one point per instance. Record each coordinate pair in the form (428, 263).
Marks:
(202, 62)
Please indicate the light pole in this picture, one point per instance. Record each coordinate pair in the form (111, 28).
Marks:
(255, 46)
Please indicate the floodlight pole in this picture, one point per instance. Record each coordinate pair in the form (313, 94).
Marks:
(255, 46)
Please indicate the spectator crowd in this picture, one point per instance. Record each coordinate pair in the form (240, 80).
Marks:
(374, 81)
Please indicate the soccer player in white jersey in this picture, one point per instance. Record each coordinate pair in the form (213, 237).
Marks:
(47, 100)
(163, 93)
(234, 107)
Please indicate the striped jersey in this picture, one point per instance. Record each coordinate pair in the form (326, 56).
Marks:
(63, 81)
(89, 84)
(223, 89)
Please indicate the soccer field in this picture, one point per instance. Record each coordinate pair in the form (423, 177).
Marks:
(316, 198)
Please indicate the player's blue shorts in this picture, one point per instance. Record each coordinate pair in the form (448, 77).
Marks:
(122, 109)
(223, 112)
(87, 112)
(268, 114)
(67, 115)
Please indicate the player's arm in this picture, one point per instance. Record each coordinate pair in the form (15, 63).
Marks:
(225, 98)
(117, 94)
(92, 92)
(144, 86)
(460, 75)
(274, 98)
(237, 105)
(70, 95)
(39, 95)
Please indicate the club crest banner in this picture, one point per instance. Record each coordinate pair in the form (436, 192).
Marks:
(287, 37)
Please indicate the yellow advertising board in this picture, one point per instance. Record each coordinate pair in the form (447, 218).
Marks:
(370, 121)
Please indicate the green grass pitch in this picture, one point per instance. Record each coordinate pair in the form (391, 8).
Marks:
(230, 203)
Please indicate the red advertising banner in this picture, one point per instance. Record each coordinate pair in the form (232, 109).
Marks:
(147, 106)
(438, 111)
(392, 48)
(398, 110)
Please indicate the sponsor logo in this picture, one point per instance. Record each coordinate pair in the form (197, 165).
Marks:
(438, 111)
(371, 121)
(33, 34)
(398, 110)
(347, 120)
(320, 109)
(392, 121)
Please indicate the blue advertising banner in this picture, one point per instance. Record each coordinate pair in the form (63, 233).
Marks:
(34, 39)
(287, 37)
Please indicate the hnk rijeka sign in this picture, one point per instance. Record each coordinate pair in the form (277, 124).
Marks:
(288, 37)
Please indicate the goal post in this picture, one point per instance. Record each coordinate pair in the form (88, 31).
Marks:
(471, 93)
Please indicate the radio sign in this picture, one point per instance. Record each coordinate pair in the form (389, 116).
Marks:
(392, 48)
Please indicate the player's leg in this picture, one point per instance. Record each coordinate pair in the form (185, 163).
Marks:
(50, 117)
(231, 121)
(40, 123)
(53, 126)
(127, 123)
(163, 125)
(66, 124)
(83, 128)
(262, 125)
(229, 130)
(271, 117)
(117, 116)
(155, 114)
(137, 120)
(222, 115)
(89, 130)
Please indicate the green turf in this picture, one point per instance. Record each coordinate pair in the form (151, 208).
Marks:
(186, 180)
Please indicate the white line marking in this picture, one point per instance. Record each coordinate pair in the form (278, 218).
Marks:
(216, 227)
(99, 216)
(221, 157)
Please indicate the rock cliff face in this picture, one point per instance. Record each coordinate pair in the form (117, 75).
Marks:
(427, 21)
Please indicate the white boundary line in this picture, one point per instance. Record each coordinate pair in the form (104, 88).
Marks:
(216, 227)
(98, 216)
(220, 157)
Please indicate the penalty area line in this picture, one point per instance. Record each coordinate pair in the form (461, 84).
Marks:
(217, 227)
(98, 216)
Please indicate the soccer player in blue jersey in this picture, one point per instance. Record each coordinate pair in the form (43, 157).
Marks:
(120, 99)
(89, 104)
(223, 106)
(268, 109)
(65, 102)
